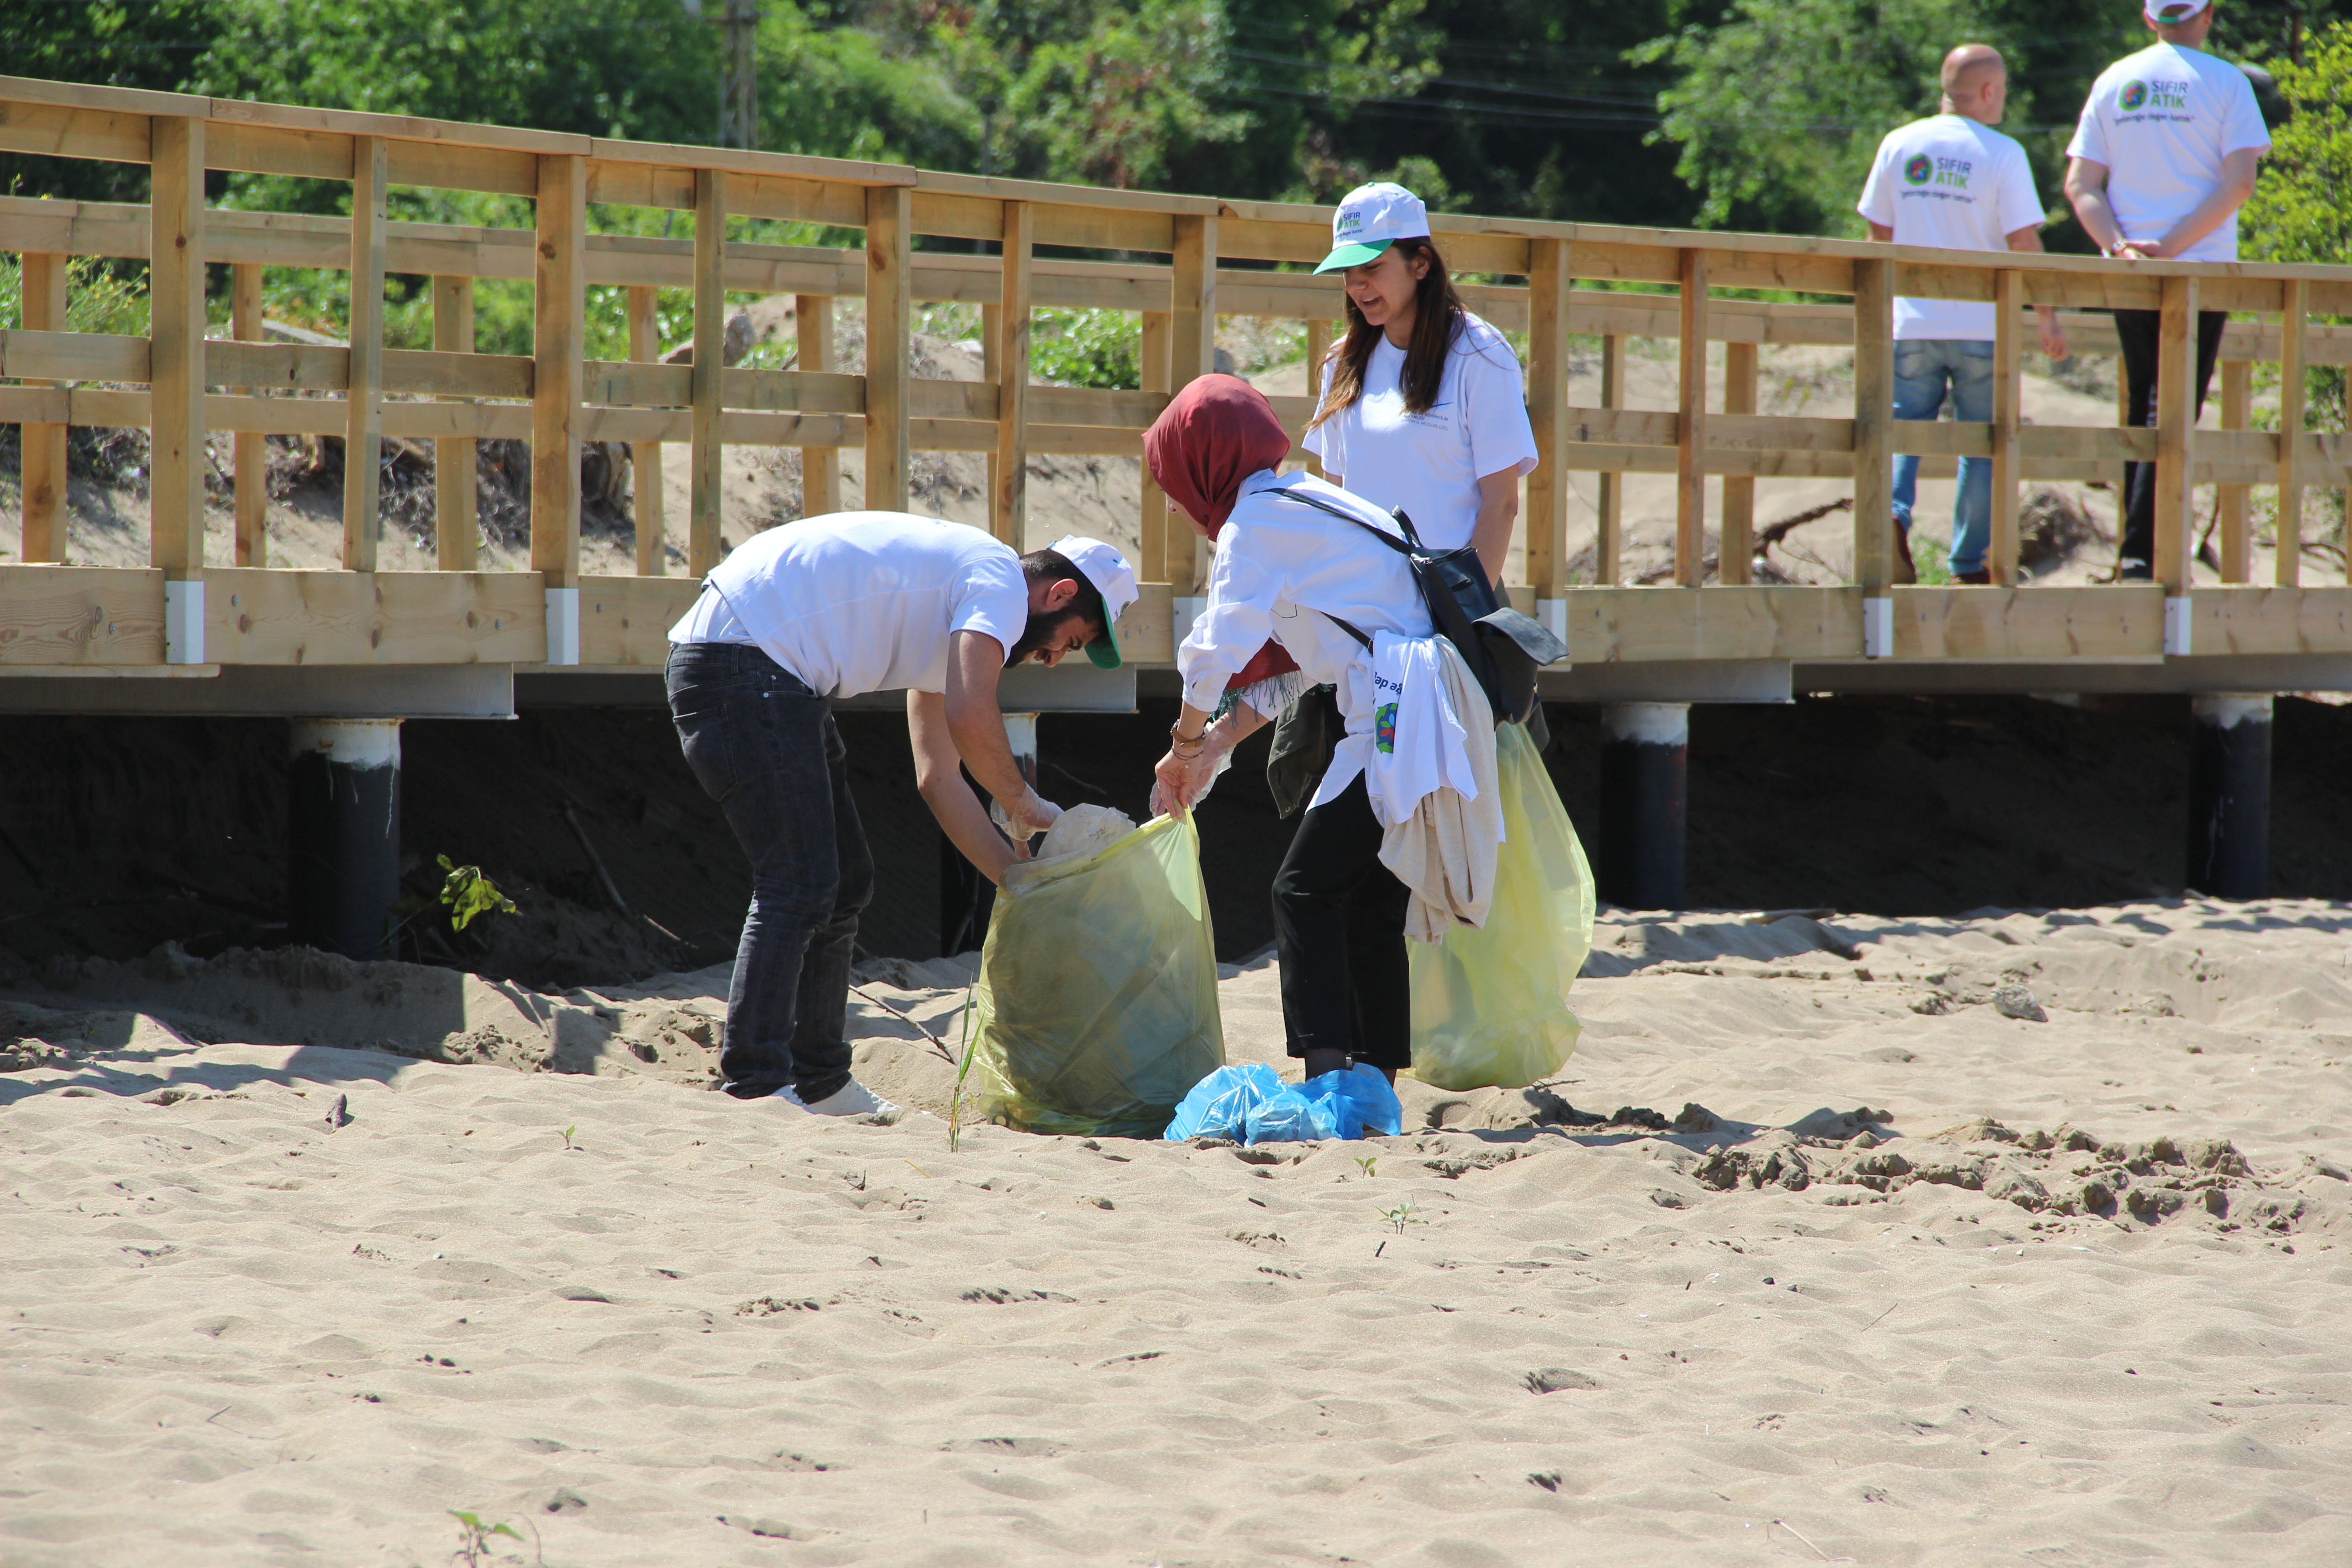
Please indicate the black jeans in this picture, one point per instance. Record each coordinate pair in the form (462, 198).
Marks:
(2136, 330)
(766, 749)
(1338, 934)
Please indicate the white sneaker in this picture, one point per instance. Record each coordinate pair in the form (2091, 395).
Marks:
(790, 1096)
(853, 1099)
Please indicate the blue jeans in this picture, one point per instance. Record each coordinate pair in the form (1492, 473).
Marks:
(766, 749)
(1923, 369)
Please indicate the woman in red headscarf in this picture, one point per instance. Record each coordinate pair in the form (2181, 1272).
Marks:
(1289, 571)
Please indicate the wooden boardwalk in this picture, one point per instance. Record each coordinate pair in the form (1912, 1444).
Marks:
(1181, 262)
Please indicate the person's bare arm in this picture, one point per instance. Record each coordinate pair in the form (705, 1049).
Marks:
(2238, 169)
(938, 777)
(1179, 781)
(2028, 241)
(975, 660)
(2087, 193)
(1883, 233)
(1499, 514)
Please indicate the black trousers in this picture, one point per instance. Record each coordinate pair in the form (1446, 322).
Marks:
(2137, 330)
(1338, 932)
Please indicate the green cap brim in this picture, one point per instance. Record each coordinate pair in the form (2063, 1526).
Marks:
(1349, 255)
(1103, 652)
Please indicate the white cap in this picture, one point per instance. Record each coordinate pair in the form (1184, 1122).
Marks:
(1113, 578)
(2181, 10)
(1370, 216)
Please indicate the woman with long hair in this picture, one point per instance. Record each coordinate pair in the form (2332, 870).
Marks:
(1422, 404)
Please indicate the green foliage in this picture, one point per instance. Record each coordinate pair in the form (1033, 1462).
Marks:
(475, 1536)
(1087, 348)
(1400, 1217)
(2299, 211)
(1931, 558)
(566, 1135)
(98, 297)
(467, 893)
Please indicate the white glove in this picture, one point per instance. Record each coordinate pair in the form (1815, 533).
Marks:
(1030, 816)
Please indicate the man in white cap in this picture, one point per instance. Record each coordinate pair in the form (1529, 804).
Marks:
(1953, 182)
(2164, 156)
(838, 607)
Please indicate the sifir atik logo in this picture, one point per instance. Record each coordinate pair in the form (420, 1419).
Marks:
(1919, 169)
(2134, 96)
(2153, 96)
(1949, 173)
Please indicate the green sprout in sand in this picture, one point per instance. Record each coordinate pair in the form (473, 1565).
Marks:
(474, 1537)
(1401, 1215)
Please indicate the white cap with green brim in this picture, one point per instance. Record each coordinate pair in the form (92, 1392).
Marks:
(1368, 218)
(1113, 578)
(2171, 11)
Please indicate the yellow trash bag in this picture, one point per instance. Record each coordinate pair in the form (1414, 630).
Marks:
(1490, 1005)
(1096, 1009)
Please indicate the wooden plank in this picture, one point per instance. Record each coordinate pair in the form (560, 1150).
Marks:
(1873, 428)
(2291, 400)
(2229, 500)
(890, 323)
(1147, 632)
(251, 447)
(85, 616)
(560, 332)
(54, 131)
(820, 466)
(1158, 333)
(1260, 240)
(1609, 561)
(2176, 415)
(2007, 397)
(645, 456)
(364, 402)
(176, 332)
(2114, 622)
(811, 392)
(625, 621)
(992, 339)
(1319, 349)
(1735, 555)
(282, 617)
(1106, 228)
(633, 384)
(2251, 620)
(73, 356)
(1008, 498)
(706, 476)
(1548, 411)
(274, 150)
(1627, 625)
(1192, 353)
(1690, 466)
(1089, 405)
(42, 443)
(456, 501)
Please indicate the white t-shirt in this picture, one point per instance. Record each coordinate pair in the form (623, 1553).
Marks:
(1430, 463)
(2162, 121)
(862, 601)
(1948, 181)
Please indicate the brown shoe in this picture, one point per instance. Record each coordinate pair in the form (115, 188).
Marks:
(1904, 570)
(1980, 579)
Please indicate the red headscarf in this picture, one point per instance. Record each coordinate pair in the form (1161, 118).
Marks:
(1216, 433)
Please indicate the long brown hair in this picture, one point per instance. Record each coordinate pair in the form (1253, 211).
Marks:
(1437, 314)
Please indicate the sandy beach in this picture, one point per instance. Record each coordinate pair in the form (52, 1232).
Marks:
(1813, 1252)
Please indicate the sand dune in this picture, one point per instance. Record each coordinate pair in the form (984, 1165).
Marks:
(1812, 1253)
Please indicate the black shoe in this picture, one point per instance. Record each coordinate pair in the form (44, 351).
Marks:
(1976, 579)
(2130, 570)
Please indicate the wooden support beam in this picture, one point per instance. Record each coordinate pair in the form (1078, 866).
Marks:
(2292, 324)
(1873, 427)
(1547, 410)
(2176, 421)
(559, 369)
(1192, 353)
(2229, 500)
(1735, 557)
(706, 476)
(251, 447)
(456, 507)
(1609, 519)
(645, 456)
(46, 511)
(1158, 329)
(2008, 393)
(1008, 495)
(889, 325)
(176, 361)
(820, 466)
(363, 401)
(1690, 444)
(1319, 349)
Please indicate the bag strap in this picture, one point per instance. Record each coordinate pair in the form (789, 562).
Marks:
(1400, 545)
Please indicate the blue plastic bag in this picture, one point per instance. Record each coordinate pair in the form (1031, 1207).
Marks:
(1253, 1104)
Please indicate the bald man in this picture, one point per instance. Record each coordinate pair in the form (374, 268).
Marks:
(1953, 182)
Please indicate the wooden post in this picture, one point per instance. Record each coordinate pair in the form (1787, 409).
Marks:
(645, 456)
(1158, 327)
(2291, 390)
(2229, 500)
(1873, 428)
(890, 323)
(364, 402)
(2176, 420)
(820, 466)
(991, 334)
(250, 447)
(1608, 516)
(1007, 502)
(1737, 553)
(457, 508)
(1319, 349)
(706, 477)
(1690, 438)
(1546, 520)
(1192, 353)
(176, 364)
(46, 510)
(2007, 395)
(559, 372)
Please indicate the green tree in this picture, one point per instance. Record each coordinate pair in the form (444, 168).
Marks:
(2299, 212)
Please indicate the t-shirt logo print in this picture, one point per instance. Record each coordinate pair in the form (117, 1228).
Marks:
(1919, 169)
(1384, 727)
(2134, 95)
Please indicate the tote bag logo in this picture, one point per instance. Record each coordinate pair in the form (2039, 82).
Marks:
(2134, 95)
(1918, 169)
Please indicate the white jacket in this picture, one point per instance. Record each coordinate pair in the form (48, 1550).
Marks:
(1434, 787)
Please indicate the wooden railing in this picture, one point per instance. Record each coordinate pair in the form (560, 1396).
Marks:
(183, 608)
